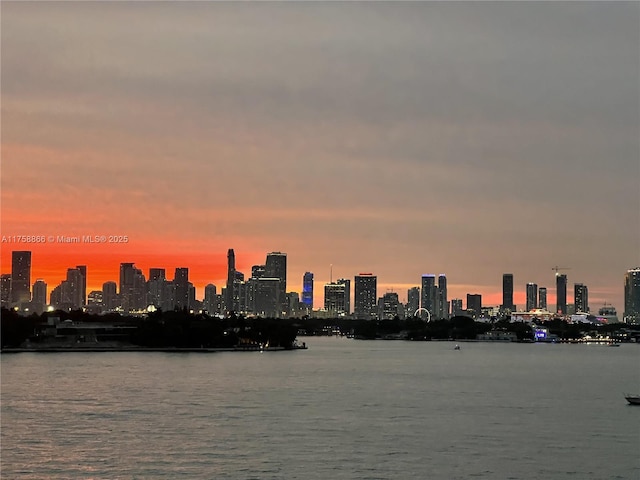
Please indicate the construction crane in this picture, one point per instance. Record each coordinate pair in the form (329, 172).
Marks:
(556, 268)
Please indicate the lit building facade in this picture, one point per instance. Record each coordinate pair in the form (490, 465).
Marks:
(532, 297)
(581, 298)
(632, 296)
(507, 293)
(442, 303)
(20, 278)
(474, 304)
(307, 290)
(413, 301)
(429, 295)
(542, 298)
(365, 298)
(335, 299)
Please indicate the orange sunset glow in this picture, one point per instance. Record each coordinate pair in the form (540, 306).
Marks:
(450, 147)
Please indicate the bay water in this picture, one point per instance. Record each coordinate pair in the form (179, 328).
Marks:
(343, 409)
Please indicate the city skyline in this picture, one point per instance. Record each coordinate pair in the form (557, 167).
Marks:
(429, 294)
(470, 138)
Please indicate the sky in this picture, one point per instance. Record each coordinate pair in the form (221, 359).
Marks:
(399, 138)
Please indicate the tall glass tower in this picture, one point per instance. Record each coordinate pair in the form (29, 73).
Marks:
(507, 292)
(365, 300)
(307, 290)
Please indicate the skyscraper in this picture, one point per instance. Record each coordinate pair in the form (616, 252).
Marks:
(474, 304)
(542, 298)
(429, 294)
(532, 296)
(413, 300)
(307, 290)
(580, 298)
(39, 299)
(109, 296)
(561, 293)
(442, 302)
(390, 306)
(334, 299)
(276, 267)
(20, 277)
(347, 294)
(181, 283)
(231, 276)
(133, 288)
(507, 293)
(365, 298)
(210, 295)
(5, 290)
(632, 296)
(83, 286)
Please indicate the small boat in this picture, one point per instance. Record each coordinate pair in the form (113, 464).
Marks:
(633, 399)
(457, 347)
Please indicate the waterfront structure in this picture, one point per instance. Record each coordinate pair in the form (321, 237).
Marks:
(276, 267)
(20, 278)
(413, 301)
(365, 285)
(542, 298)
(474, 304)
(231, 276)
(307, 290)
(561, 293)
(442, 304)
(429, 295)
(532, 297)
(581, 298)
(507, 293)
(632, 296)
(335, 299)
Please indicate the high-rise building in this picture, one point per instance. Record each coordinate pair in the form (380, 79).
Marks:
(580, 298)
(474, 304)
(429, 294)
(413, 300)
(5, 290)
(632, 296)
(231, 277)
(542, 298)
(456, 307)
(532, 296)
(561, 293)
(156, 287)
(72, 291)
(210, 298)
(442, 303)
(307, 290)
(181, 283)
(20, 277)
(334, 299)
(39, 299)
(133, 288)
(109, 296)
(507, 293)
(83, 286)
(390, 306)
(267, 301)
(347, 294)
(365, 285)
(276, 267)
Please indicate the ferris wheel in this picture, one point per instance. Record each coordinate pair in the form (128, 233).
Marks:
(417, 313)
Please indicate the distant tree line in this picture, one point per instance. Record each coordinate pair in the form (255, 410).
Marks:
(180, 328)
